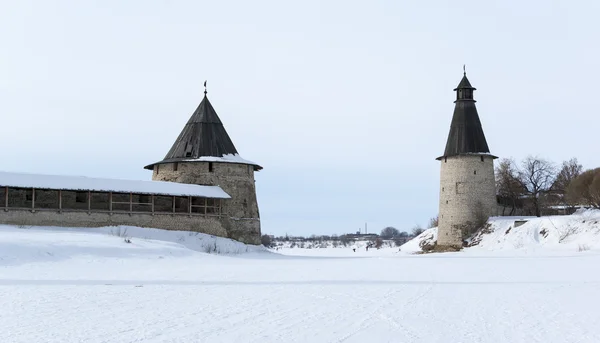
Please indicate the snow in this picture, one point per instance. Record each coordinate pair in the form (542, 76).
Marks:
(88, 285)
(579, 231)
(227, 158)
(63, 182)
(428, 236)
(572, 232)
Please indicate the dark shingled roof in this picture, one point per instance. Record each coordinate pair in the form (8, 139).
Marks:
(466, 134)
(203, 136)
(464, 84)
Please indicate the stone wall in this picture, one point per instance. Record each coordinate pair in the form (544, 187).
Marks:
(467, 195)
(209, 225)
(235, 179)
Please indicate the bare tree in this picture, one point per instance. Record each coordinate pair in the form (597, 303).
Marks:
(569, 171)
(417, 230)
(389, 232)
(508, 184)
(585, 189)
(433, 222)
(537, 177)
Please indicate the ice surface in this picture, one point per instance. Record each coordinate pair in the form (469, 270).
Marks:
(88, 285)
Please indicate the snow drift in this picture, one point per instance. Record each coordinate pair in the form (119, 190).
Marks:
(577, 232)
(32, 243)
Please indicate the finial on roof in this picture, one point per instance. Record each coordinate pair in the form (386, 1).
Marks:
(464, 70)
(205, 87)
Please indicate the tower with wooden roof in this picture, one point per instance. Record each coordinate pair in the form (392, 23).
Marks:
(467, 184)
(204, 154)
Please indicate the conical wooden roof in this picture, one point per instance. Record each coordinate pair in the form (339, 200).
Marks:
(203, 138)
(466, 133)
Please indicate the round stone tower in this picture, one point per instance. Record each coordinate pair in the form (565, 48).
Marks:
(467, 183)
(203, 154)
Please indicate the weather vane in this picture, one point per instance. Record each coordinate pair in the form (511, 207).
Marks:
(464, 71)
(205, 87)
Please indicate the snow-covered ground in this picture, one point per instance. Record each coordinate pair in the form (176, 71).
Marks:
(576, 232)
(88, 285)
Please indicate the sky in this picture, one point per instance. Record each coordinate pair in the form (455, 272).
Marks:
(346, 104)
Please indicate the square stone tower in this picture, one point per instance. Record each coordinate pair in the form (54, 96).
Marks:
(203, 154)
(467, 184)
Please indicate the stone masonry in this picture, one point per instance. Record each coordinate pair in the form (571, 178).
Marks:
(467, 195)
(210, 225)
(241, 217)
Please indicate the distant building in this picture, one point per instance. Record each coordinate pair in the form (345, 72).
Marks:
(201, 185)
(363, 236)
(467, 184)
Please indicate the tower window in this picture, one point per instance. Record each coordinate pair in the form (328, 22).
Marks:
(188, 154)
(442, 189)
(210, 167)
(481, 158)
(474, 172)
(175, 166)
(157, 167)
(446, 202)
(445, 159)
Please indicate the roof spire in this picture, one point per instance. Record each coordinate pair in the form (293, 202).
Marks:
(466, 133)
(464, 69)
(205, 88)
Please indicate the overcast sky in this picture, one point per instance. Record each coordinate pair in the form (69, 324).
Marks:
(346, 104)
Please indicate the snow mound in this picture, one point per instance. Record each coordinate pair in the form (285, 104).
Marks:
(576, 232)
(28, 244)
(428, 237)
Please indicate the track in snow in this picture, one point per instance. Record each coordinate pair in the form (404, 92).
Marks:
(171, 296)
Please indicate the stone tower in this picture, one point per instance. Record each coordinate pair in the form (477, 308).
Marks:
(467, 184)
(203, 154)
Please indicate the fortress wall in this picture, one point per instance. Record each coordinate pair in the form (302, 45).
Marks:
(235, 179)
(208, 225)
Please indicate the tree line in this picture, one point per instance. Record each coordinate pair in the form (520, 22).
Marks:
(388, 233)
(537, 185)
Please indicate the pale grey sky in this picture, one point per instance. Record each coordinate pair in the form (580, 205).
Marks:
(346, 104)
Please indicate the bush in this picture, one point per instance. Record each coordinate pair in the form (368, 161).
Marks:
(433, 222)
(583, 247)
(427, 246)
(399, 241)
(417, 230)
(389, 232)
(266, 241)
(585, 189)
